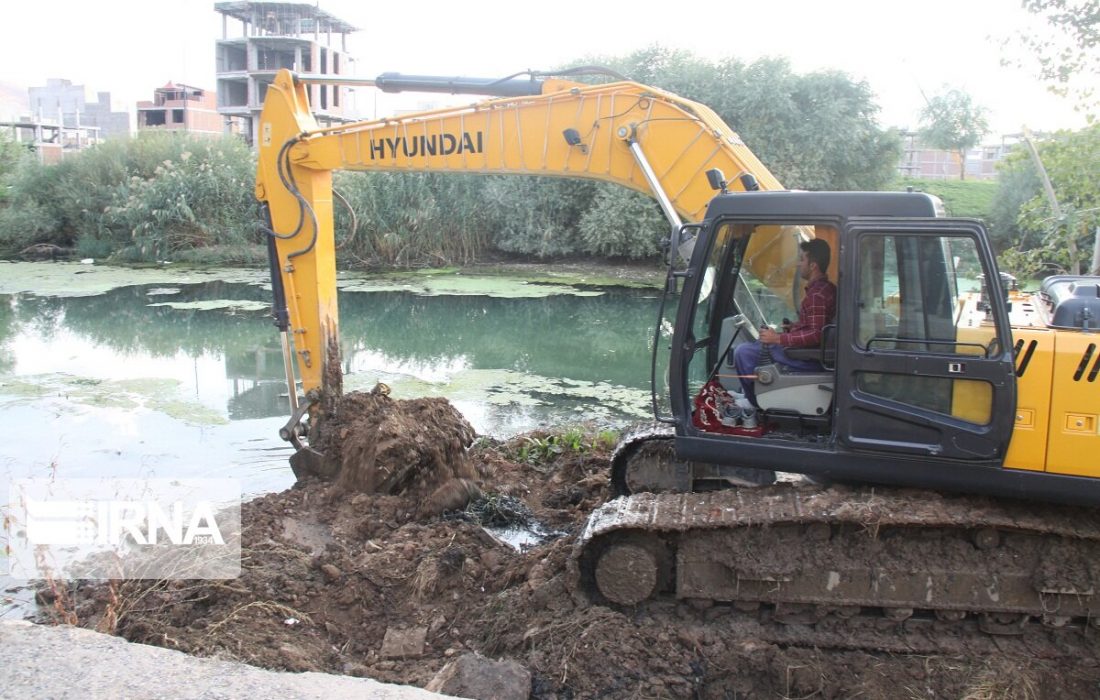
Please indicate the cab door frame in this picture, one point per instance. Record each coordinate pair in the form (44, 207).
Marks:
(873, 423)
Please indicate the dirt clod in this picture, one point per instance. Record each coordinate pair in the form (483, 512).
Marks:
(332, 573)
(403, 643)
(474, 676)
(398, 447)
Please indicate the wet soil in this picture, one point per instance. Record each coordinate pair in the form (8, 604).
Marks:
(411, 447)
(373, 575)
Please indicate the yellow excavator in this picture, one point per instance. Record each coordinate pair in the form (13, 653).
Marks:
(957, 418)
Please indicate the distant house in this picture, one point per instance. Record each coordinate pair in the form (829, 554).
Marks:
(181, 108)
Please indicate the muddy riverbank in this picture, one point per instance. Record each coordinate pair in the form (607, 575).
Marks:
(379, 586)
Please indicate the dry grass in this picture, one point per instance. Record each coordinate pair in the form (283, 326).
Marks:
(267, 607)
(1003, 681)
(426, 580)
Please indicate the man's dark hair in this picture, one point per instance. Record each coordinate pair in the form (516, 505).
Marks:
(817, 251)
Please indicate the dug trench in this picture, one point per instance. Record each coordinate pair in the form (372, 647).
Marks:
(381, 574)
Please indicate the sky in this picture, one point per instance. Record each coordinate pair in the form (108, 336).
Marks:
(904, 51)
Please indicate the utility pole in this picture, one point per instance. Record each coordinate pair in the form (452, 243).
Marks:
(1055, 208)
(1095, 269)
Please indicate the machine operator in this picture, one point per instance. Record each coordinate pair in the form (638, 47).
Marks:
(818, 309)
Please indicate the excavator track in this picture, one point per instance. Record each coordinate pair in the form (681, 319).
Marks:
(808, 553)
(867, 631)
(645, 460)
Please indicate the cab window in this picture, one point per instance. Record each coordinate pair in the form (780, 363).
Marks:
(751, 271)
(921, 294)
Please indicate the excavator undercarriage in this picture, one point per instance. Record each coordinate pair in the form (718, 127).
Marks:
(807, 553)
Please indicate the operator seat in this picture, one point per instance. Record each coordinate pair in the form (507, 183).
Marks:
(778, 387)
(807, 392)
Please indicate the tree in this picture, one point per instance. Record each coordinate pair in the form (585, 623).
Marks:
(1017, 183)
(1068, 51)
(1071, 160)
(1047, 242)
(814, 131)
(952, 122)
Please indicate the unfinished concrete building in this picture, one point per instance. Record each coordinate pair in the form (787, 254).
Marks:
(276, 35)
(58, 121)
(48, 139)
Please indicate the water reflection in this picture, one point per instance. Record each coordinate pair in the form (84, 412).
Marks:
(600, 338)
(225, 355)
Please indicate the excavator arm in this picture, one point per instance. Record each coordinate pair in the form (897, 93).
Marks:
(636, 136)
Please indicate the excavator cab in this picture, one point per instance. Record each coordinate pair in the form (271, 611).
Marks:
(918, 383)
(915, 364)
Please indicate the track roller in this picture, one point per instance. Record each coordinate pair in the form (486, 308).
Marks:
(631, 570)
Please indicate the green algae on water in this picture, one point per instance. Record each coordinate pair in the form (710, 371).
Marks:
(216, 304)
(63, 279)
(462, 285)
(154, 394)
(501, 387)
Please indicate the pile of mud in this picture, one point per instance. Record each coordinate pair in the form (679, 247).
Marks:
(356, 577)
(415, 448)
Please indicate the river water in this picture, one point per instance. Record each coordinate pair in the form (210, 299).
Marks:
(151, 374)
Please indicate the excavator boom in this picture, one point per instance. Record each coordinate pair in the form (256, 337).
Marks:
(636, 136)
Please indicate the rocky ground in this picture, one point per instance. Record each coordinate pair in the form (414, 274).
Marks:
(342, 579)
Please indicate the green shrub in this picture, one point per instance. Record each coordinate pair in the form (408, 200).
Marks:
(24, 226)
(199, 200)
(622, 223)
(13, 156)
(540, 447)
(141, 199)
(94, 247)
(410, 219)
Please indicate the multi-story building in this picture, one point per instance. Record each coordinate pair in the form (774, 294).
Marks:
(58, 120)
(276, 35)
(921, 162)
(181, 108)
(981, 162)
(64, 102)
